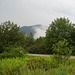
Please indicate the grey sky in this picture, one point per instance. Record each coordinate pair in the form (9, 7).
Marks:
(31, 12)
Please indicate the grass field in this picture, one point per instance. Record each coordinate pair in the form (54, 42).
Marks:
(31, 65)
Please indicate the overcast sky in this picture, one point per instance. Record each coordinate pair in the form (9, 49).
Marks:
(32, 12)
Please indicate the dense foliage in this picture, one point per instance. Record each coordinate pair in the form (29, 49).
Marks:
(10, 35)
(62, 49)
(36, 66)
(11, 38)
(60, 29)
(59, 40)
(12, 42)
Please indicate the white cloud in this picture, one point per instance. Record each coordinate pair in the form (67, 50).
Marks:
(39, 31)
(30, 12)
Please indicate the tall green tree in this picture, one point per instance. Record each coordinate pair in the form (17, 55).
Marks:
(40, 40)
(59, 29)
(10, 35)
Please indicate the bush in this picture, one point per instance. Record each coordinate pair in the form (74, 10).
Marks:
(17, 66)
(13, 52)
(62, 48)
(62, 51)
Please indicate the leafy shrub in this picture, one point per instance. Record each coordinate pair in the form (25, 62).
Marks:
(14, 52)
(12, 66)
(62, 51)
(18, 66)
(62, 48)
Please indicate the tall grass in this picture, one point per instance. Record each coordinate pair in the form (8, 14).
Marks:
(48, 66)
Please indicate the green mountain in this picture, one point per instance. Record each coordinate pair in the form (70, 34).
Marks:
(37, 30)
(28, 29)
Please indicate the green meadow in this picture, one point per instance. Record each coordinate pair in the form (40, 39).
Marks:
(35, 65)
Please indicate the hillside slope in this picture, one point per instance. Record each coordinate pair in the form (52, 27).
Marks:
(37, 30)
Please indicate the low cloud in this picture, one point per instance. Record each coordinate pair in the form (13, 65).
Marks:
(39, 31)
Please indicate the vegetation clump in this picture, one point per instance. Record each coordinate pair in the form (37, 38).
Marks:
(59, 40)
(36, 66)
(60, 29)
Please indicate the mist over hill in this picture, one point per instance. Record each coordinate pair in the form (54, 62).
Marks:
(37, 30)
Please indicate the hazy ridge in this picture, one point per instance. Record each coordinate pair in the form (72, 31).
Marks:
(37, 30)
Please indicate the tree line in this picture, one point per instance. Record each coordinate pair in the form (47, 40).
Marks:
(14, 41)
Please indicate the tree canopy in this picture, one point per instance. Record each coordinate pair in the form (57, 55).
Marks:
(9, 35)
(59, 29)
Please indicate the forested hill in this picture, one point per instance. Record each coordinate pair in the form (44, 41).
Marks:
(27, 29)
(37, 30)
